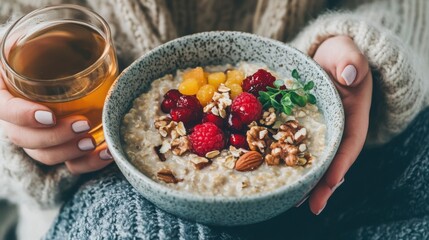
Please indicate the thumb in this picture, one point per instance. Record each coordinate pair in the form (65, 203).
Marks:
(341, 58)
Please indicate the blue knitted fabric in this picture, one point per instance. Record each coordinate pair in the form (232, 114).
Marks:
(385, 196)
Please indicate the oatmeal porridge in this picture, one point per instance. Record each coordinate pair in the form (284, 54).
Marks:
(230, 130)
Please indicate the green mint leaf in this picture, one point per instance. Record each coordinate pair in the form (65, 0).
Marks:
(295, 74)
(276, 104)
(311, 98)
(272, 89)
(278, 83)
(298, 100)
(287, 110)
(309, 86)
(286, 101)
(266, 105)
(264, 96)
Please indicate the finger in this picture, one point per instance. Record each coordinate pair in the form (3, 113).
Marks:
(349, 67)
(346, 155)
(96, 160)
(357, 118)
(22, 112)
(67, 151)
(64, 131)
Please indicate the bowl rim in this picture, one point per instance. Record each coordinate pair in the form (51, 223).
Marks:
(122, 159)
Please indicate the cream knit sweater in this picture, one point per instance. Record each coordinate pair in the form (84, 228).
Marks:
(392, 34)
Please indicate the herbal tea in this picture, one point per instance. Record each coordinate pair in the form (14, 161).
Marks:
(61, 69)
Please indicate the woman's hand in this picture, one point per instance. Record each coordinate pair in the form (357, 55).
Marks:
(49, 140)
(350, 72)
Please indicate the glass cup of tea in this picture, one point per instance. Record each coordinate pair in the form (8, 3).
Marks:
(62, 57)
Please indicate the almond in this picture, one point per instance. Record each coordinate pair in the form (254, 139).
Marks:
(249, 161)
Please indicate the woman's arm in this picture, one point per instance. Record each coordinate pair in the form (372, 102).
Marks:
(392, 36)
(388, 34)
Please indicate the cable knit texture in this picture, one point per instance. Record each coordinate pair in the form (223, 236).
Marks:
(392, 34)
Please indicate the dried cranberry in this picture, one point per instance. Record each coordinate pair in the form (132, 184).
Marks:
(210, 117)
(173, 94)
(168, 104)
(259, 81)
(238, 141)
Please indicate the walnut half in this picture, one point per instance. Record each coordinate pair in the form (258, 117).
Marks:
(257, 137)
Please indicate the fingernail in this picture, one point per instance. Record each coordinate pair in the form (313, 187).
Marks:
(86, 144)
(302, 201)
(80, 126)
(338, 184)
(321, 209)
(44, 117)
(105, 155)
(349, 74)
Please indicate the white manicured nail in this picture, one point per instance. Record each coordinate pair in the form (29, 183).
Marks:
(44, 117)
(321, 209)
(349, 74)
(80, 126)
(302, 201)
(338, 184)
(105, 155)
(86, 144)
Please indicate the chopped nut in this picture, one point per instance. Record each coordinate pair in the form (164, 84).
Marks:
(302, 147)
(200, 162)
(166, 127)
(162, 121)
(222, 88)
(301, 161)
(230, 162)
(257, 138)
(212, 154)
(220, 101)
(263, 134)
(160, 155)
(180, 129)
(165, 147)
(180, 145)
(269, 117)
(291, 160)
(167, 176)
(279, 135)
(272, 160)
(300, 135)
(237, 152)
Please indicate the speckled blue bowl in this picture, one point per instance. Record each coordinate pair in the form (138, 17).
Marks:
(212, 48)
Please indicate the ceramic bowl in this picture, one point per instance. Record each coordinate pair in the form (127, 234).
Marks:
(217, 48)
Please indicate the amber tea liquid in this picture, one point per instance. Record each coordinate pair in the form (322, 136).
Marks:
(65, 70)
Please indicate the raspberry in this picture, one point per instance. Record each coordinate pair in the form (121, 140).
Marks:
(173, 94)
(210, 117)
(182, 115)
(168, 104)
(234, 123)
(259, 81)
(206, 137)
(247, 107)
(238, 141)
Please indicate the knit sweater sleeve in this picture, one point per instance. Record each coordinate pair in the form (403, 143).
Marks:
(23, 180)
(392, 35)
